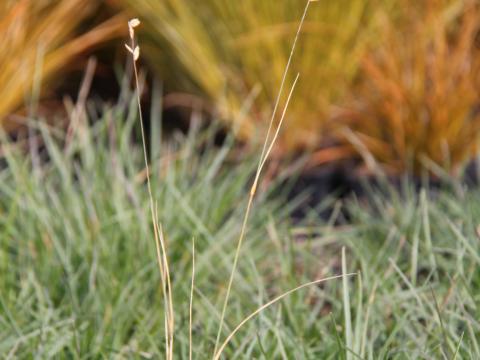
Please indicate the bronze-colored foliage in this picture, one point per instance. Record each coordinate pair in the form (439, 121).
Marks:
(39, 38)
(417, 101)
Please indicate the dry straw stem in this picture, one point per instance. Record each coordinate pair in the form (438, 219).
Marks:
(346, 308)
(267, 148)
(245, 220)
(157, 229)
(38, 42)
(417, 97)
(270, 303)
(190, 308)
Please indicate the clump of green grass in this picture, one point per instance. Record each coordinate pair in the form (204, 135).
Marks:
(80, 276)
(418, 255)
(79, 264)
(80, 268)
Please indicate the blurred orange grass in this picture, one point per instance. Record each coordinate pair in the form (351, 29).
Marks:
(417, 102)
(39, 40)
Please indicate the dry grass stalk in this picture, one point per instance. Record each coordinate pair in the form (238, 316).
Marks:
(266, 150)
(161, 251)
(272, 302)
(190, 308)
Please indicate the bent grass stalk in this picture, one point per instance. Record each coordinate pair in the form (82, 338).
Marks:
(271, 302)
(267, 148)
(157, 229)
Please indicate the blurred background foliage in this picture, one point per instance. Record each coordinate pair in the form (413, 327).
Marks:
(40, 40)
(416, 103)
(392, 82)
(223, 49)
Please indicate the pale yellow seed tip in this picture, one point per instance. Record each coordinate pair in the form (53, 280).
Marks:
(133, 23)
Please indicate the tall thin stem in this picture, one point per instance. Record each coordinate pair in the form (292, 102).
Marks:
(158, 233)
(267, 147)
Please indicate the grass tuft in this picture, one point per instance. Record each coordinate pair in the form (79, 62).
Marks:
(415, 106)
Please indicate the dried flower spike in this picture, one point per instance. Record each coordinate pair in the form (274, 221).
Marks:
(133, 23)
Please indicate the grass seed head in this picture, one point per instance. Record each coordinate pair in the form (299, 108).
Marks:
(132, 24)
